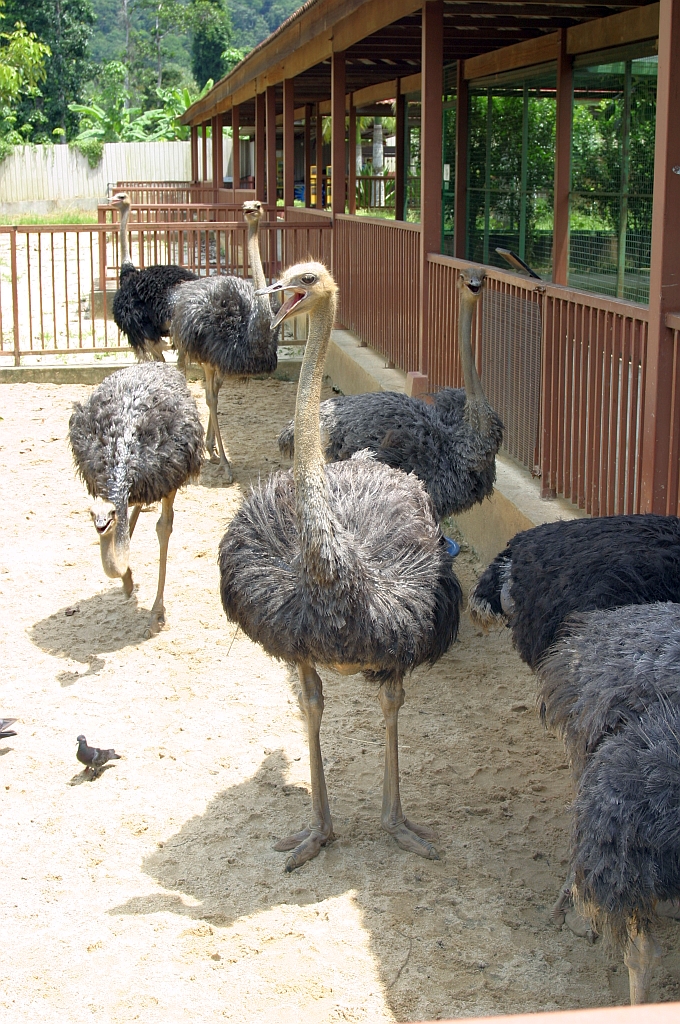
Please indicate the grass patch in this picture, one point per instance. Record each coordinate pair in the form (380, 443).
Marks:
(58, 217)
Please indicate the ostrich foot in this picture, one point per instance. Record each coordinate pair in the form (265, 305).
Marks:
(414, 838)
(305, 846)
(558, 912)
(156, 622)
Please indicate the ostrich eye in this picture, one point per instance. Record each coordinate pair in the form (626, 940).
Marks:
(308, 278)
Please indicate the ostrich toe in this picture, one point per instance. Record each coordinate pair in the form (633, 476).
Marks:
(305, 845)
(414, 838)
(156, 622)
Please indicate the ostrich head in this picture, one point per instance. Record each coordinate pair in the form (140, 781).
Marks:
(471, 282)
(253, 211)
(114, 537)
(121, 201)
(310, 283)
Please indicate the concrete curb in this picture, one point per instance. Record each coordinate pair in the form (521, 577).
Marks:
(90, 373)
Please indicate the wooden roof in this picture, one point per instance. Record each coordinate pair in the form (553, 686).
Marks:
(382, 40)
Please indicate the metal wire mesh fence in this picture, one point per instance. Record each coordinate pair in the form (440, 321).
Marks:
(511, 161)
(613, 174)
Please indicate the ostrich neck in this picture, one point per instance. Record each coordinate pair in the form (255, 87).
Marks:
(316, 523)
(124, 251)
(114, 547)
(475, 399)
(254, 257)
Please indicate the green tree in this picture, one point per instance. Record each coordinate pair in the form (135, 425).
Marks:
(211, 33)
(65, 26)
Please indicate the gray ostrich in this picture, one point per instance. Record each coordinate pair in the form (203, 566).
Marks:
(451, 444)
(136, 440)
(341, 565)
(221, 323)
(142, 306)
(611, 686)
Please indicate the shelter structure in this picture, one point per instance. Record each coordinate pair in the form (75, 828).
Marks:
(545, 128)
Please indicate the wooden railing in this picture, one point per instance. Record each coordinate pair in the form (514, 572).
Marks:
(180, 192)
(376, 266)
(60, 282)
(180, 212)
(673, 490)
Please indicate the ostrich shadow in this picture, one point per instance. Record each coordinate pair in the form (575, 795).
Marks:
(223, 861)
(106, 622)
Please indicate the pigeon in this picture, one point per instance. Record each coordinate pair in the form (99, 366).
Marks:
(93, 757)
(4, 731)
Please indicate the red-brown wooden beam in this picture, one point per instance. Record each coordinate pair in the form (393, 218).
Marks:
(260, 185)
(271, 144)
(235, 147)
(664, 283)
(338, 146)
(308, 154)
(352, 159)
(400, 161)
(204, 167)
(318, 156)
(430, 167)
(217, 152)
(562, 162)
(460, 173)
(289, 142)
(194, 153)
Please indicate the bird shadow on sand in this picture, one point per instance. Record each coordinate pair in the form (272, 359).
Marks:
(103, 623)
(221, 866)
(87, 775)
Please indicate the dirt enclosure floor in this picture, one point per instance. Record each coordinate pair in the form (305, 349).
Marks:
(153, 893)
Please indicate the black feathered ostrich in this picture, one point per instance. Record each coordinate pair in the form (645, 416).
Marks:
(142, 306)
(611, 686)
(221, 323)
(343, 566)
(547, 573)
(136, 440)
(451, 444)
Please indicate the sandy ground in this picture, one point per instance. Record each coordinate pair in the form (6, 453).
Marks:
(153, 893)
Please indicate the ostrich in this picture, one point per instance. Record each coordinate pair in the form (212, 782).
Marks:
(136, 440)
(221, 323)
(611, 686)
(343, 566)
(450, 445)
(554, 570)
(142, 306)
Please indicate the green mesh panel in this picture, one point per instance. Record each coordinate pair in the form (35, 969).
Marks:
(612, 177)
(511, 163)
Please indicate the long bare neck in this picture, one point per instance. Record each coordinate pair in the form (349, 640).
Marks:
(124, 250)
(254, 257)
(318, 530)
(477, 409)
(114, 547)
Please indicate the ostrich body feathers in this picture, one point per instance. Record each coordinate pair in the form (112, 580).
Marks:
(220, 321)
(395, 602)
(434, 441)
(138, 436)
(560, 568)
(142, 306)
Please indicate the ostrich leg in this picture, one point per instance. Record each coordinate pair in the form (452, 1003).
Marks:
(212, 387)
(641, 954)
(306, 844)
(163, 529)
(415, 838)
(210, 433)
(133, 519)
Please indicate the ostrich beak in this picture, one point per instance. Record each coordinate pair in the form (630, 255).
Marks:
(287, 308)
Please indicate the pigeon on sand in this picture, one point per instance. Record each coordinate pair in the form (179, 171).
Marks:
(93, 757)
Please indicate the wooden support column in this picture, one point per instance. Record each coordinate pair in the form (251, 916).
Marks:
(260, 185)
(289, 142)
(432, 62)
(460, 182)
(338, 144)
(318, 156)
(562, 162)
(194, 152)
(271, 145)
(204, 165)
(235, 147)
(217, 157)
(400, 156)
(664, 284)
(352, 159)
(308, 154)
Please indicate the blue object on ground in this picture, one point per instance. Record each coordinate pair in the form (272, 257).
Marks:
(452, 546)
